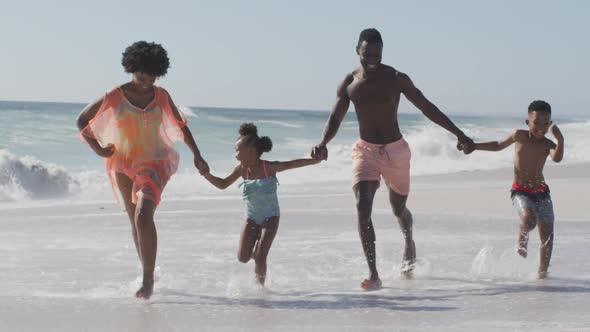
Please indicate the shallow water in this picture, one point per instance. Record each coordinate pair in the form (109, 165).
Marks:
(75, 268)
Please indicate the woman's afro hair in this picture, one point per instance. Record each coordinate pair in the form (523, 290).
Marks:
(149, 58)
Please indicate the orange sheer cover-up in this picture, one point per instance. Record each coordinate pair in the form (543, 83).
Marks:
(143, 140)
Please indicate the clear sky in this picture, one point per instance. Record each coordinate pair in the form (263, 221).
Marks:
(466, 56)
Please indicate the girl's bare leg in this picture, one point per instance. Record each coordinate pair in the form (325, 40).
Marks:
(269, 231)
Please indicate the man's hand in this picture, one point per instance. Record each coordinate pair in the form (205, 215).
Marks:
(107, 151)
(201, 165)
(557, 133)
(465, 144)
(319, 152)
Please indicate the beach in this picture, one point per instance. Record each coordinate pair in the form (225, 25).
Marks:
(72, 266)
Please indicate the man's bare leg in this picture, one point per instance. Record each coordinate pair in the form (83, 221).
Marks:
(546, 235)
(269, 231)
(365, 192)
(405, 220)
(527, 224)
(148, 244)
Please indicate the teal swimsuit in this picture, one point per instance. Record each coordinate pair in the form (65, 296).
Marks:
(261, 198)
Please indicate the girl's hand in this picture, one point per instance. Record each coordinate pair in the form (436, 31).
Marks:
(107, 151)
(557, 133)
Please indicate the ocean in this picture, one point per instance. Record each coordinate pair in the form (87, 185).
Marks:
(42, 159)
(69, 263)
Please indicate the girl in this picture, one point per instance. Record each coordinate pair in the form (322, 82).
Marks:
(260, 194)
(132, 127)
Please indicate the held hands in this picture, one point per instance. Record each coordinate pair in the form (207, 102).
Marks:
(319, 152)
(107, 151)
(201, 165)
(465, 144)
(556, 132)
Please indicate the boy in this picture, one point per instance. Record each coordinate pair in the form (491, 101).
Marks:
(530, 194)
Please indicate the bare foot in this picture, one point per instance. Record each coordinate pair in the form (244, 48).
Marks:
(260, 279)
(543, 275)
(522, 251)
(409, 261)
(146, 290)
(371, 284)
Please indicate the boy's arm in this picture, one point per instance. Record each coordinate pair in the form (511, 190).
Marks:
(87, 114)
(223, 183)
(189, 140)
(497, 145)
(338, 112)
(279, 166)
(415, 96)
(557, 152)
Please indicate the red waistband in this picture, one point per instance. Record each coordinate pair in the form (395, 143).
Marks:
(531, 190)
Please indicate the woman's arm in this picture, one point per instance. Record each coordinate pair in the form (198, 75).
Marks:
(87, 114)
(189, 140)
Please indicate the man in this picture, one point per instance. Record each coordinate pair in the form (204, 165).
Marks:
(381, 151)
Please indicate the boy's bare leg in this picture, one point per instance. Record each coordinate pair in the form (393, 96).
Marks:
(528, 221)
(148, 244)
(125, 186)
(250, 233)
(269, 231)
(365, 192)
(546, 235)
(405, 220)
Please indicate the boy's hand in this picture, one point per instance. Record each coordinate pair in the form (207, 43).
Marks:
(107, 151)
(557, 133)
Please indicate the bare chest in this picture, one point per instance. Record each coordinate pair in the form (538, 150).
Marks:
(531, 152)
(373, 91)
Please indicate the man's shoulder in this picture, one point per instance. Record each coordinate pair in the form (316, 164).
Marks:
(348, 79)
(389, 70)
(357, 72)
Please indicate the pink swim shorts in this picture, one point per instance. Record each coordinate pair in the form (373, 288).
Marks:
(391, 161)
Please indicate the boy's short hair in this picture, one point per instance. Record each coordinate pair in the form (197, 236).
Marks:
(540, 106)
(371, 35)
(149, 58)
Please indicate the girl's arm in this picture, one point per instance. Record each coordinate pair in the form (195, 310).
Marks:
(496, 145)
(87, 114)
(279, 166)
(224, 183)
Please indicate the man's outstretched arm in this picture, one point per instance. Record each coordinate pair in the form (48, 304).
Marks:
(338, 112)
(415, 96)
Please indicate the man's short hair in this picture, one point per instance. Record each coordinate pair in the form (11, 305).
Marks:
(371, 35)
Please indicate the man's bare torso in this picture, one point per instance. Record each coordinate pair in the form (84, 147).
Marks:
(376, 99)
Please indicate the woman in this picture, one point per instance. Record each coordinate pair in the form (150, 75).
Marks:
(133, 127)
